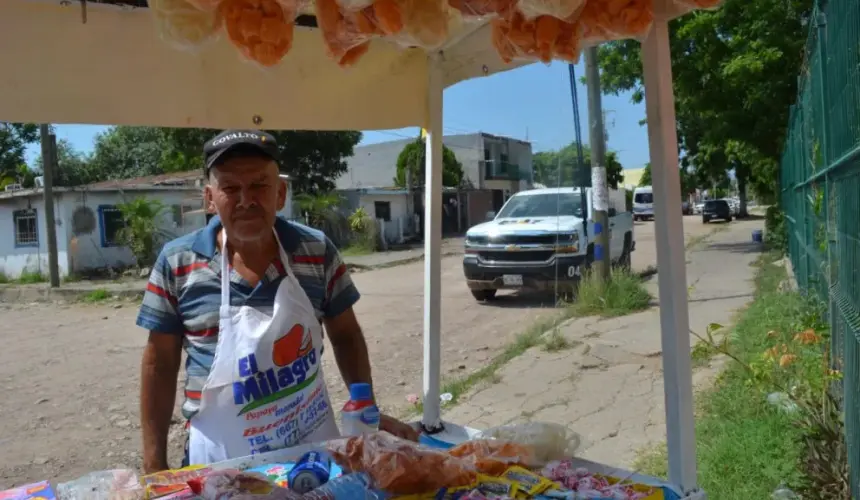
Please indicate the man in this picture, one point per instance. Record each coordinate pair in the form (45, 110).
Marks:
(246, 297)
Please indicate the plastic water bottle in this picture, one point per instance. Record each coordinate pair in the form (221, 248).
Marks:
(354, 486)
(360, 414)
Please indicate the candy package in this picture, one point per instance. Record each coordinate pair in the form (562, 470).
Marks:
(34, 491)
(168, 482)
(559, 9)
(483, 8)
(234, 484)
(544, 38)
(615, 19)
(181, 24)
(549, 441)
(262, 30)
(589, 485)
(117, 484)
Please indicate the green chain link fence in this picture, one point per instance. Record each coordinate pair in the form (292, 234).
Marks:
(820, 177)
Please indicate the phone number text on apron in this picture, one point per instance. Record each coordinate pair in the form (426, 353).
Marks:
(292, 428)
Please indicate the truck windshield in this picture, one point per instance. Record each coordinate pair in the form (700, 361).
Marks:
(644, 198)
(543, 205)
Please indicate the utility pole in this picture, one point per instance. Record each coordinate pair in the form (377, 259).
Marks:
(600, 191)
(49, 159)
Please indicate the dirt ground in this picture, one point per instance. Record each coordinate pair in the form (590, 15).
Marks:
(69, 374)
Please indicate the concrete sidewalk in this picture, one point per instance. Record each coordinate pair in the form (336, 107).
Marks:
(608, 386)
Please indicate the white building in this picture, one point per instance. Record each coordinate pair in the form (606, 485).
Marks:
(87, 222)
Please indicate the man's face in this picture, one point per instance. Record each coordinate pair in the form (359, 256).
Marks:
(247, 193)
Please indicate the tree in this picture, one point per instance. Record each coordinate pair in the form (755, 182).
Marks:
(735, 76)
(645, 180)
(412, 159)
(73, 168)
(562, 167)
(141, 232)
(314, 160)
(14, 138)
(689, 182)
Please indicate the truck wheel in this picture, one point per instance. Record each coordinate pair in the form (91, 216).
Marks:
(483, 295)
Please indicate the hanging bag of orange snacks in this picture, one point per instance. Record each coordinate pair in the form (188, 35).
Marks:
(483, 9)
(559, 9)
(604, 20)
(262, 30)
(184, 26)
(543, 38)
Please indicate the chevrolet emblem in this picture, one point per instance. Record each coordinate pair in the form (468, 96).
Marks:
(512, 248)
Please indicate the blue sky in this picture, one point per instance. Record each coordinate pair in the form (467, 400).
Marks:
(527, 103)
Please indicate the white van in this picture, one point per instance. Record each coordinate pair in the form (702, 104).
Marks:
(643, 203)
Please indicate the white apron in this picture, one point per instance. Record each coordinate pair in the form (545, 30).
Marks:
(266, 389)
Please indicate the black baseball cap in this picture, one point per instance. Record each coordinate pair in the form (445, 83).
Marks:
(229, 140)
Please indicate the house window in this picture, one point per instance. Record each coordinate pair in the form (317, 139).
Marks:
(382, 210)
(487, 154)
(26, 228)
(111, 222)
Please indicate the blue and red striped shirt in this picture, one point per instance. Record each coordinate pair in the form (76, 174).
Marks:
(184, 291)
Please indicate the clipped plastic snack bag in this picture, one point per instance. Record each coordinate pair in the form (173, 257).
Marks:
(207, 5)
(346, 34)
(548, 441)
(690, 5)
(262, 30)
(400, 467)
(615, 19)
(559, 9)
(426, 23)
(354, 5)
(544, 38)
(483, 8)
(234, 484)
(116, 484)
(184, 26)
(494, 457)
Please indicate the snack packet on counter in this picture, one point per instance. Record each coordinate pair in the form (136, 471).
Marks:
(168, 482)
(233, 484)
(277, 473)
(34, 491)
(116, 484)
(528, 482)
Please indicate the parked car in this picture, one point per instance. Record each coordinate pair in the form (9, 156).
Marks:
(697, 208)
(686, 208)
(716, 209)
(539, 238)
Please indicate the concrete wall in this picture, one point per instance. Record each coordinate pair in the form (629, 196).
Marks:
(14, 260)
(391, 229)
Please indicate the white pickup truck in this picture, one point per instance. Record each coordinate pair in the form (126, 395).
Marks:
(539, 237)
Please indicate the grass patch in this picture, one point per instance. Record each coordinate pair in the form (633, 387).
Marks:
(4, 278)
(356, 250)
(29, 277)
(746, 446)
(555, 342)
(624, 294)
(96, 296)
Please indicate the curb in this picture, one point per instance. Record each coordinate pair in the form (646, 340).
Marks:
(398, 262)
(14, 294)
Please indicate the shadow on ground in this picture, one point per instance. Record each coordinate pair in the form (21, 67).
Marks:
(737, 247)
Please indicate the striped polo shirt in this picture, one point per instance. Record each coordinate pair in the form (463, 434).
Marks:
(184, 291)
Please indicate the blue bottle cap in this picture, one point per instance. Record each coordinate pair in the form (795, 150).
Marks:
(360, 392)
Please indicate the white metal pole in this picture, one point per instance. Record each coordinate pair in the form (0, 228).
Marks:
(432, 246)
(671, 264)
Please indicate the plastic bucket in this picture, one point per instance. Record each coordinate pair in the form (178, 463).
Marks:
(757, 236)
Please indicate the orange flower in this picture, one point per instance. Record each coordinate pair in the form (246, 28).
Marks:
(787, 359)
(807, 336)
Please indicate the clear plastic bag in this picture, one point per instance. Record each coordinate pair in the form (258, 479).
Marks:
(544, 38)
(206, 5)
(426, 22)
(233, 484)
(483, 8)
(183, 25)
(560, 9)
(547, 440)
(354, 5)
(117, 484)
(690, 5)
(615, 19)
(402, 467)
(262, 30)
(346, 35)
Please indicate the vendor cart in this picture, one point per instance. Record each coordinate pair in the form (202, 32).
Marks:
(102, 62)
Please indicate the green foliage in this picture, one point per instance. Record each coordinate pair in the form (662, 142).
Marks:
(775, 229)
(318, 208)
(141, 233)
(623, 294)
(14, 139)
(30, 276)
(313, 159)
(689, 182)
(73, 168)
(412, 159)
(562, 167)
(735, 76)
(363, 229)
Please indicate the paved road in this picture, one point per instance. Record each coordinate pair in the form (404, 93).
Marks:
(69, 373)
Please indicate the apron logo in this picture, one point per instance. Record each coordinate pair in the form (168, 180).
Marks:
(294, 357)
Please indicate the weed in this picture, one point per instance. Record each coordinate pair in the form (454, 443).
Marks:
(96, 296)
(556, 342)
(622, 295)
(4, 278)
(28, 277)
